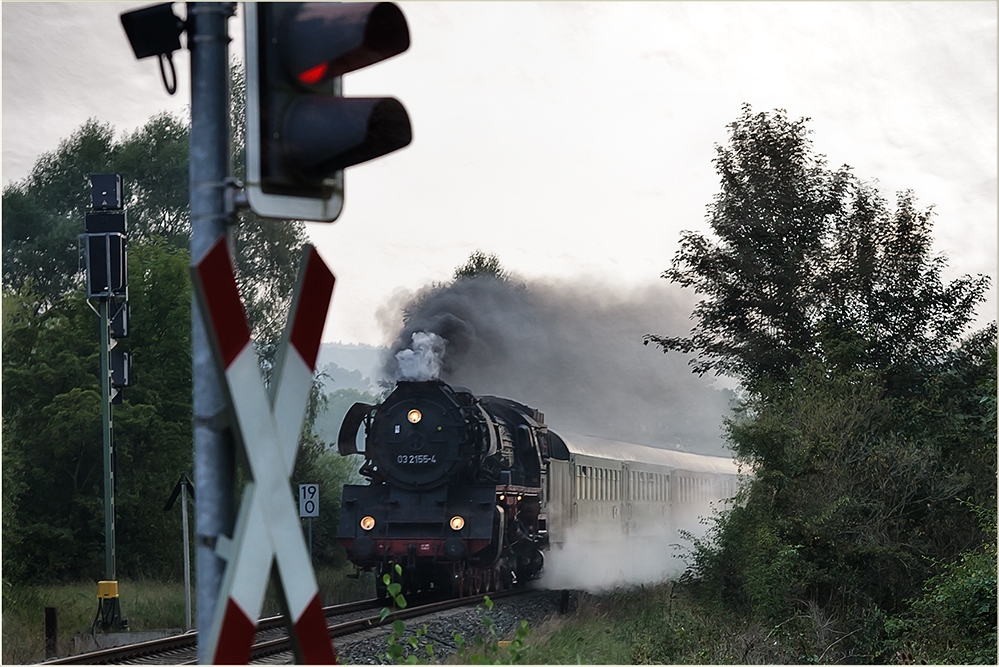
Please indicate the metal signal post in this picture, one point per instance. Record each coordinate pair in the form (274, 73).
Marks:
(107, 281)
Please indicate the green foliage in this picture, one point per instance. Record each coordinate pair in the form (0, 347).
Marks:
(481, 264)
(53, 428)
(671, 623)
(52, 435)
(402, 650)
(485, 648)
(954, 621)
(853, 496)
(43, 214)
(809, 264)
(865, 415)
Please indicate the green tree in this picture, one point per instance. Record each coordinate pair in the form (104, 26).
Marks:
(50, 365)
(867, 419)
(43, 216)
(43, 213)
(481, 264)
(51, 393)
(810, 263)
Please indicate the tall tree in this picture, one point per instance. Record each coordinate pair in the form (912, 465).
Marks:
(52, 418)
(868, 417)
(43, 216)
(804, 255)
(51, 391)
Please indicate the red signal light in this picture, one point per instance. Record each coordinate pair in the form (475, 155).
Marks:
(313, 75)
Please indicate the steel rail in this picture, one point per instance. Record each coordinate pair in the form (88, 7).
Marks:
(270, 647)
(189, 639)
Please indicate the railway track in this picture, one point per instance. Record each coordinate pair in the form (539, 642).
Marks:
(271, 639)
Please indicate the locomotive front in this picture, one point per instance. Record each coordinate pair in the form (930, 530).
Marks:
(419, 437)
(433, 457)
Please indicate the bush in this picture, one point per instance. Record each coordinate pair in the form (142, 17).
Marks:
(954, 621)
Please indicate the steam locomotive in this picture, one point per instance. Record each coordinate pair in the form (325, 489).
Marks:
(467, 493)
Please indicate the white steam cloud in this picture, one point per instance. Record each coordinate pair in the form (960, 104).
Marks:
(601, 558)
(423, 360)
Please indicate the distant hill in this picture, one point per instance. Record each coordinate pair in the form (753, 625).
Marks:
(351, 366)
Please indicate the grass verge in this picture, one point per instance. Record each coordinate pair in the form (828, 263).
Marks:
(146, 604)
(661, 624)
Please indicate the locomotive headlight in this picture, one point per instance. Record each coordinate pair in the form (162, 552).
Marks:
(457, 523)
(414, 416)
(368, 522)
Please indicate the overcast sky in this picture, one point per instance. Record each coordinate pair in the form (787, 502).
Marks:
(575, 140)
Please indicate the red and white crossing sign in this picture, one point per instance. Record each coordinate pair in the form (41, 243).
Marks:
(268, 427)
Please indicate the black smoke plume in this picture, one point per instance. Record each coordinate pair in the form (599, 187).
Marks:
(574, 352)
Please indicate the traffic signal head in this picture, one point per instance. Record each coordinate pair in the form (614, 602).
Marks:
(301, 133)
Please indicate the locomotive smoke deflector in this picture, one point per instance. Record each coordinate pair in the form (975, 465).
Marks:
(346, 440)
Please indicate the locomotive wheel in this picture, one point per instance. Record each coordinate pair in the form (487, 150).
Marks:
(467, 581)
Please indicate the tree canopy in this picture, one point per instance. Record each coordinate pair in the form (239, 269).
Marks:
(868, 418)
(811, 263)
(52, 435)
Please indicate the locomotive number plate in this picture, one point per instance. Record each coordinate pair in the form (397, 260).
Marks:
(406, 459)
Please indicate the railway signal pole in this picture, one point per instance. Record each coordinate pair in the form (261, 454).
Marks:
(107, 281)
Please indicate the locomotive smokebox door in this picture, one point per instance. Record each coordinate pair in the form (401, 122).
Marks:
(420, 431)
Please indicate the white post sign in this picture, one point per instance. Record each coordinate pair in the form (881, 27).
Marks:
(308, 500)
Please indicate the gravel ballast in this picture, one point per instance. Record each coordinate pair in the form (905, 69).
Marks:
(369, 648)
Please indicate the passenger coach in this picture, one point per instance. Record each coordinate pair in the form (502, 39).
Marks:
(608, 485)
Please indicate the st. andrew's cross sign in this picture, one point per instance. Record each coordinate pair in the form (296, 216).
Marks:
(268, 425)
